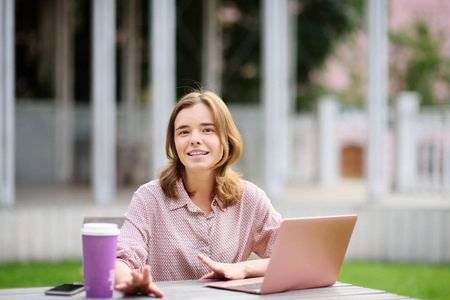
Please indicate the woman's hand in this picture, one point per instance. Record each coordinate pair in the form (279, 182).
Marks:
(249, 268)
(221, 270)
(131, 282)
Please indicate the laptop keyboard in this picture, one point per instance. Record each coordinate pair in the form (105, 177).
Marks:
(251, 286)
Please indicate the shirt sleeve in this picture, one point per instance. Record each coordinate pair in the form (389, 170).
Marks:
(266, 224)
(132, 243)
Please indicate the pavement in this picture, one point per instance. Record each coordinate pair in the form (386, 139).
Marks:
(345, 192)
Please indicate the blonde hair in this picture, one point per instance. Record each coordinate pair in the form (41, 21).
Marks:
(228, 185)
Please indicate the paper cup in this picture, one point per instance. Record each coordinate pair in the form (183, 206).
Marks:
(99, 255)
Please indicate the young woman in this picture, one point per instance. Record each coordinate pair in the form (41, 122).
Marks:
(199, 219)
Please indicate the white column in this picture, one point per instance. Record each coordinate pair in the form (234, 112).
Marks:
(275, 94)
(377, 97)
(407, 108)
(7, 103)
(212, 46)
(328, 109)
(104, 101)
(163, 79)
(64, 122)
(131, 73)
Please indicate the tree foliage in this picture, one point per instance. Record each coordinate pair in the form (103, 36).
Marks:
(321, 23)
(419, 64)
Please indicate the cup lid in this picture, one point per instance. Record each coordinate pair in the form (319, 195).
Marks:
(100, 229)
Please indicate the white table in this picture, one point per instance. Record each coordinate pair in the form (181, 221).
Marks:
(195, 289)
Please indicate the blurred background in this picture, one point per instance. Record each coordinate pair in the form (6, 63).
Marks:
(343, 105)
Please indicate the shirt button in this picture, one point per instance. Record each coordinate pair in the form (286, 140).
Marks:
(214, 203)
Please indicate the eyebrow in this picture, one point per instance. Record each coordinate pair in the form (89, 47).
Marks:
(202, 124)
(207, 124)
(181, 127)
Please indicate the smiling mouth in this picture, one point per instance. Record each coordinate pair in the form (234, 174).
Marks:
(197, 153)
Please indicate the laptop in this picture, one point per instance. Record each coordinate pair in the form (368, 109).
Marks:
(308, 253)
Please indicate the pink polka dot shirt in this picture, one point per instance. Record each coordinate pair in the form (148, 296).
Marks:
(168, 234)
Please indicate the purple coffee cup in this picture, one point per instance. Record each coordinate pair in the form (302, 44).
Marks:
(99, 255)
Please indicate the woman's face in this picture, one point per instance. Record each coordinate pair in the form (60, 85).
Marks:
(196, 139)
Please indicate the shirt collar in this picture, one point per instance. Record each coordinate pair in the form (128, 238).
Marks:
(183, 197)
(184, 200)
(219, 203)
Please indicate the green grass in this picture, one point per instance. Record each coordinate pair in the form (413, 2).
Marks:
(417, 281)
(413, 280)
(32, 274)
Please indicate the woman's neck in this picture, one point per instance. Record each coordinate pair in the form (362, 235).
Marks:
(199, 183)
(201, 189)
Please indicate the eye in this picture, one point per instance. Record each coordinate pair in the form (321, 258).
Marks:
(183, 132)
(208, 130)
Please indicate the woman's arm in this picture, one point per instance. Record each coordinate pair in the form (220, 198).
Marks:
(241, 270)
(132, 282)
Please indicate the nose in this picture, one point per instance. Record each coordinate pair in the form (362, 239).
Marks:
(196, 139)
